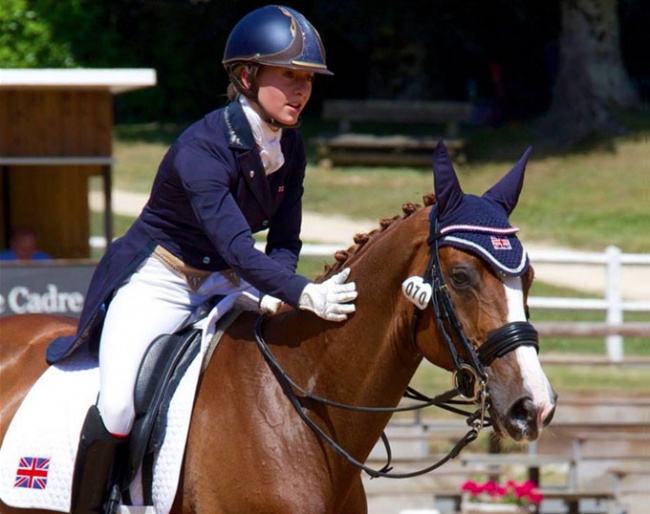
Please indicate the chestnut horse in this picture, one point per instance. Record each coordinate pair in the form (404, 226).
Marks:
(249, 450)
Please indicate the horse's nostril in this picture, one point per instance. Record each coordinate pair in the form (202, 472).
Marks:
(524, 410)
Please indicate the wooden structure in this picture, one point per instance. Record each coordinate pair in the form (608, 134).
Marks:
(56, 132)
(348, 147)
(595, 456)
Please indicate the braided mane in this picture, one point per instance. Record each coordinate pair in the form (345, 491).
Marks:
(343, 256)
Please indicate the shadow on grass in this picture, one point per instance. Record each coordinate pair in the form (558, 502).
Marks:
(503, 142)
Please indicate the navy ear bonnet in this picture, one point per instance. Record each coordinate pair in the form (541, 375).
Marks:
(482, 229)
(479, 224)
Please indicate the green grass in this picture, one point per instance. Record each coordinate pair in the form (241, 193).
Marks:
(599, 380)
(564, 378)
(586, 199)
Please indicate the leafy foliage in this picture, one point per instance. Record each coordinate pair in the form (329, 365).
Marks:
(500, 54)
(27, 40)
(55, 34)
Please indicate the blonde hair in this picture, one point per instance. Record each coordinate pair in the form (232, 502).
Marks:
(236, 86)
(231, 92)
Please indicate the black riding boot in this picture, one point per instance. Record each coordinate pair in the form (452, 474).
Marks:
(92, 470)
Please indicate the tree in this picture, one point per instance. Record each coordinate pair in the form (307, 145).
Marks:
(55, 34)
(26, 39)
(592, 86)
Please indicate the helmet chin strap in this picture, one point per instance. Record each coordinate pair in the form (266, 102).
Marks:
(269, 119)
(251, 94)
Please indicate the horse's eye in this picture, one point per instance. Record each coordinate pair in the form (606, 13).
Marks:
(460, 278)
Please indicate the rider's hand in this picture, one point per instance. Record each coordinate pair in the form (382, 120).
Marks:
(270, 304)
(329, 300)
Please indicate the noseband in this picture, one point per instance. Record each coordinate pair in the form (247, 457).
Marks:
(470, 375)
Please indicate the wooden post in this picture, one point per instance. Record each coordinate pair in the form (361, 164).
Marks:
(614, 342)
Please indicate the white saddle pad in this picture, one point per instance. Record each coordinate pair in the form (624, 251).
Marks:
(38, 452)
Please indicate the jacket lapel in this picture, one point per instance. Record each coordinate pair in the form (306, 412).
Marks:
(241, 137)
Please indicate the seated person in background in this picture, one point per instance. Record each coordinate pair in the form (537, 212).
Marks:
(23, 246)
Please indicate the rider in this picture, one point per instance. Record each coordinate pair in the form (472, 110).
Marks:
(238, 170)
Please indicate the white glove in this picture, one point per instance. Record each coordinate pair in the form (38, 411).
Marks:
(270, 304)
(329, 300)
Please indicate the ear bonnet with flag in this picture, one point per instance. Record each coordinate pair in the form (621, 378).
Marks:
(479, 224)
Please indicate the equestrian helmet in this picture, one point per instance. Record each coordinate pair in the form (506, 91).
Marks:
(275, 36)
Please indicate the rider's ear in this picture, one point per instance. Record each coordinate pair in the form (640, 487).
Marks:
(246, 77)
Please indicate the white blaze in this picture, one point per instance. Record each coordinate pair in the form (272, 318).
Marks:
(515, 298)
(531, 370)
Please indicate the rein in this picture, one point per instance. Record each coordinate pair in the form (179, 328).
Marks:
(289, 387)
(470, 377)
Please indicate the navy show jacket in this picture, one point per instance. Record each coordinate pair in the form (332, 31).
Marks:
(209, 196)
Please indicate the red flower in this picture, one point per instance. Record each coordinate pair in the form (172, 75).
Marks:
(513, 492)
(471, 487)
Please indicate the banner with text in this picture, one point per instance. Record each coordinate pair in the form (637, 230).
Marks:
(48, 287)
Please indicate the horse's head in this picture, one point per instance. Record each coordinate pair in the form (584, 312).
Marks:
(480, 277)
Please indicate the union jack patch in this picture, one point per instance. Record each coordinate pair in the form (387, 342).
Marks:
(32, 473)
(500, 243)
(281, 189)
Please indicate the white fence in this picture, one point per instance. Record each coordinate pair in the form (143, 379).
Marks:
(611, 303)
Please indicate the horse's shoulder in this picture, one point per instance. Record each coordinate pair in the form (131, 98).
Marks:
(243, 326)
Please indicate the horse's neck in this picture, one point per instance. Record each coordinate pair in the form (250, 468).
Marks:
(377, 338)
(369, 359)
(361, 361)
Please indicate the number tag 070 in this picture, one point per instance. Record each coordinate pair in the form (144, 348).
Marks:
(418, 291)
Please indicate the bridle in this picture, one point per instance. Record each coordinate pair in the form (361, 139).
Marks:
(470, 377)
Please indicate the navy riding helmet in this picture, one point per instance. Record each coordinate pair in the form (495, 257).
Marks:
(276, 36)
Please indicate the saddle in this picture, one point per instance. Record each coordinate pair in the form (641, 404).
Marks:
(160, 373)
(161, 370)
(166, 386)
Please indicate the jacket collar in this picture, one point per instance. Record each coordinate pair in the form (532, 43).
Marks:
(240, 137)
(240, 134)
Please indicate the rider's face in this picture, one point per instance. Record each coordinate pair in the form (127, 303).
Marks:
(284, 92)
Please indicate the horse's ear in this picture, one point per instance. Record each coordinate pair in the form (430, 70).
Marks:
(506, 191)
(449, 194)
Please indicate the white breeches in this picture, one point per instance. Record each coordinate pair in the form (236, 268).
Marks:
(151, 302)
